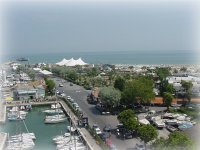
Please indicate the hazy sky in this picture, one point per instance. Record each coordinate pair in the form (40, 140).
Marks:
(122, 26)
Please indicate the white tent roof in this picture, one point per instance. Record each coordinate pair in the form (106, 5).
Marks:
(71, 62)
(45, 72)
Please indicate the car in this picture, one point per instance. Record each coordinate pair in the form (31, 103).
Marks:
(139, 146)
(71, 84)
(112, 147)
(63, 94)
(60, 85)
(104, 136)
(107, 128)
(96, 129)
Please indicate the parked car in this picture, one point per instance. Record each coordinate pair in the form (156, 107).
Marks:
(139, 146)
(104, 136)
(96, 129)
(60, 85)
(107, 128)
(102, 109)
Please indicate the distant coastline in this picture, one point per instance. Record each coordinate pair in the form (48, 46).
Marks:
(110, 57)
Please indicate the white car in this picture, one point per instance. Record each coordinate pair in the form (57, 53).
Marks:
(60, 85)
(139, 146)
(98, 131)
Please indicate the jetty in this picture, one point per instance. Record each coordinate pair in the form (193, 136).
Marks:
(3, 137)
(90, 141)
(2, 113)
(33, 103)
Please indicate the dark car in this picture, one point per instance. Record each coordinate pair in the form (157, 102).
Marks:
(104, 136)
(107, 128)
(71, 84)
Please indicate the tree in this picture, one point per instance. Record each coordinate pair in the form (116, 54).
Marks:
(176, 140)
(166, 87)
(179, 140)
(109, 96)
(163, 73)
(138, 90)
(187, 86)
(50, 85)
(119, 83)
(183, 69)
(147, 133)
(131, 123)
(167, 99)
(72, 75)
(125, 115)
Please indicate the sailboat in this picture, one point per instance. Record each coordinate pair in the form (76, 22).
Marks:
(22, 141)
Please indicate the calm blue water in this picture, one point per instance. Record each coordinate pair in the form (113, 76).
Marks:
(120, 57)
(35, 123)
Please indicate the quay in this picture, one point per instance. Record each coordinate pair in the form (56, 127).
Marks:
(91, 143)
(2, 113)
(31, 103)
(3, 137)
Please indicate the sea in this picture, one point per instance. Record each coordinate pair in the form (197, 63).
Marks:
(112, 57)
(35, 123)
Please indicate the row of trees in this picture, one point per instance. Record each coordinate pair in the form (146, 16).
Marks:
(26, 70)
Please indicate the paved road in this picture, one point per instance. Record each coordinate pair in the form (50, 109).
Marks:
(79, 94)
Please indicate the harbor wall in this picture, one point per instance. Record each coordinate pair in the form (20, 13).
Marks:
(3, 137)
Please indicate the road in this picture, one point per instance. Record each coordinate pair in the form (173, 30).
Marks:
(79, 94)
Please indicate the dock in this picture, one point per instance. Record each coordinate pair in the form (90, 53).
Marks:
(2, 113)
(31, 103)
(3, 137)
(91, 143)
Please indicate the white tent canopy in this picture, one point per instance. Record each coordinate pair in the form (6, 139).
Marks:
(71, 62)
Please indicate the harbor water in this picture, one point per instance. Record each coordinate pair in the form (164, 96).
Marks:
(35, 123)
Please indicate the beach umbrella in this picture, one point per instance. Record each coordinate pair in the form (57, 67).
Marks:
(9, 98)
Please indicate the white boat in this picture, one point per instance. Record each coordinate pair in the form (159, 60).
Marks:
(55, 120)
(56, 116)
(71, 129)
(55, 106)
(53, 111)
(61, 136)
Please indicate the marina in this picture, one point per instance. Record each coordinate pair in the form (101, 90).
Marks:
(35, 123)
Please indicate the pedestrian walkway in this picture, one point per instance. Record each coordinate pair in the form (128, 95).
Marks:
(84, 133)
(3, 137)
(2, 112)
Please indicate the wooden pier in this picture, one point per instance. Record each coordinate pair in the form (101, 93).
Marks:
(90, 141)
(3, 137)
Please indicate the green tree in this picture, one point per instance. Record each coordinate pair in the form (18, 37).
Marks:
(72, 75)
(176, 140)
(138, 90)
(131, 123)
(50, 85)
(119, 83)
(187, 85)
(125, 115)
(163, 73)
(109, 96)
(147, 133)
(183, 69)
(160, 143)
(179, 140)
(167, 99)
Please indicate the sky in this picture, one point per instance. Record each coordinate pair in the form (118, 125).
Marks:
(52, 27)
